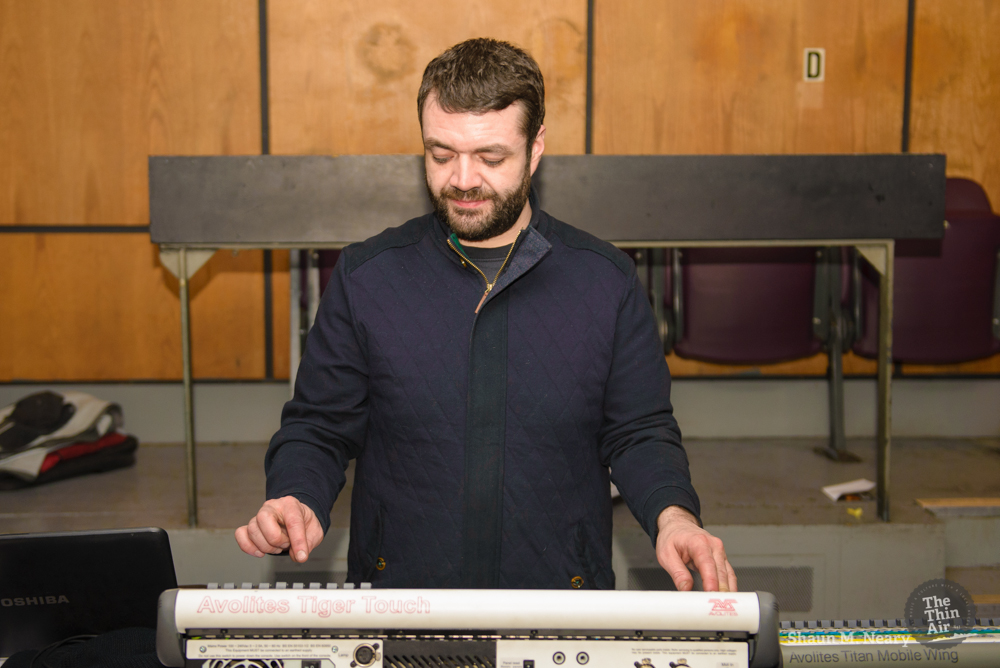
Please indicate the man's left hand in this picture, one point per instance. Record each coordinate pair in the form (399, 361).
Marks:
(681, 543)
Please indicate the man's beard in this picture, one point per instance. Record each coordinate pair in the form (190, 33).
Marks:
(479, 225)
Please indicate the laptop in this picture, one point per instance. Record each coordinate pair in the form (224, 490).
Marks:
(57, 585)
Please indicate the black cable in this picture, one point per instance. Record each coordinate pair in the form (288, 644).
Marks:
(588, 131)
(65, 642)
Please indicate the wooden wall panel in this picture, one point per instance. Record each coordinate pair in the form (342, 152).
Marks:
(725, 76)
(809, 366)
(956, 88)
(956, 104)
(89, 89)
(816, 365)
(100, 307)
(227, 316)
(988, 366)
(345, 74)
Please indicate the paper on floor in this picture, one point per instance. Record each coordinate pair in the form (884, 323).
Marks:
(859, 486)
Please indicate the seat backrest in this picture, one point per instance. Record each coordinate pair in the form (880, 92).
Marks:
(748, 305)
(944, 290)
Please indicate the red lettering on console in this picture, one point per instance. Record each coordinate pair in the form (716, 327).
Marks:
(723, 607)
(325, 607)
(374, 604)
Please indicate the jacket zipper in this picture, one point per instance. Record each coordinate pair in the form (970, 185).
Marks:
(489, 286)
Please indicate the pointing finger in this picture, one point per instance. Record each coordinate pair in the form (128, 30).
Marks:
(295, 526)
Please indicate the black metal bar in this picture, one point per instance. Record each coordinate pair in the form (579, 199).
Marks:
(265, 107)
(911, 17)
(74, 229)
(268, 317)
(265, 149)
(589, 110)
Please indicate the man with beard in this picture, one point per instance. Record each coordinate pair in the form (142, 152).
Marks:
(489, 367)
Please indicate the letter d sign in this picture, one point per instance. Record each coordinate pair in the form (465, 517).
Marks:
(814, 65)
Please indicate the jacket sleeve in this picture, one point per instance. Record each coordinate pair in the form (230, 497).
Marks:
(640, 439)
(324, 424)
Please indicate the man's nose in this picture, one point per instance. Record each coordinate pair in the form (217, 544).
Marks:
(466, 176)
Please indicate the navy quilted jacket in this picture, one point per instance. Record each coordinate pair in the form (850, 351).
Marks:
(483, 441)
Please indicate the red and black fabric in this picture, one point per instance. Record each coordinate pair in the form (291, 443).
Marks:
(45, 422)
(113, 451)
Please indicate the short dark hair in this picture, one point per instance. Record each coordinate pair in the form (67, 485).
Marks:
(484, 74)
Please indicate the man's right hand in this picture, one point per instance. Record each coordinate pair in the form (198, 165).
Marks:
(281, 524)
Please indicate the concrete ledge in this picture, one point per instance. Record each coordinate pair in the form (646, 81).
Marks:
(755, 408)
(973, 541)
(750, 408)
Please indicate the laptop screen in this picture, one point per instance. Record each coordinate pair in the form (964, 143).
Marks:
(56, 585)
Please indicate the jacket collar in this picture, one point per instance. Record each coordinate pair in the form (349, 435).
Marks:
(538, 224)
(529, 249)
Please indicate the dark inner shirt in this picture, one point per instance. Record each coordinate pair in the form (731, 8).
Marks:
(489, 260)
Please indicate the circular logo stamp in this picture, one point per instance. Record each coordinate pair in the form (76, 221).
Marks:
(940, 613)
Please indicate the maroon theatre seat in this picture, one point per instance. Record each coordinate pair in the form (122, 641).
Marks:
(747, 305)
(945, 295)
(759, 306)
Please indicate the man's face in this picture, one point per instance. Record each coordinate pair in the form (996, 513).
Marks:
(478, 170)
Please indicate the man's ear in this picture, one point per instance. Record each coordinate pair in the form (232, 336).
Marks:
(537, 148)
